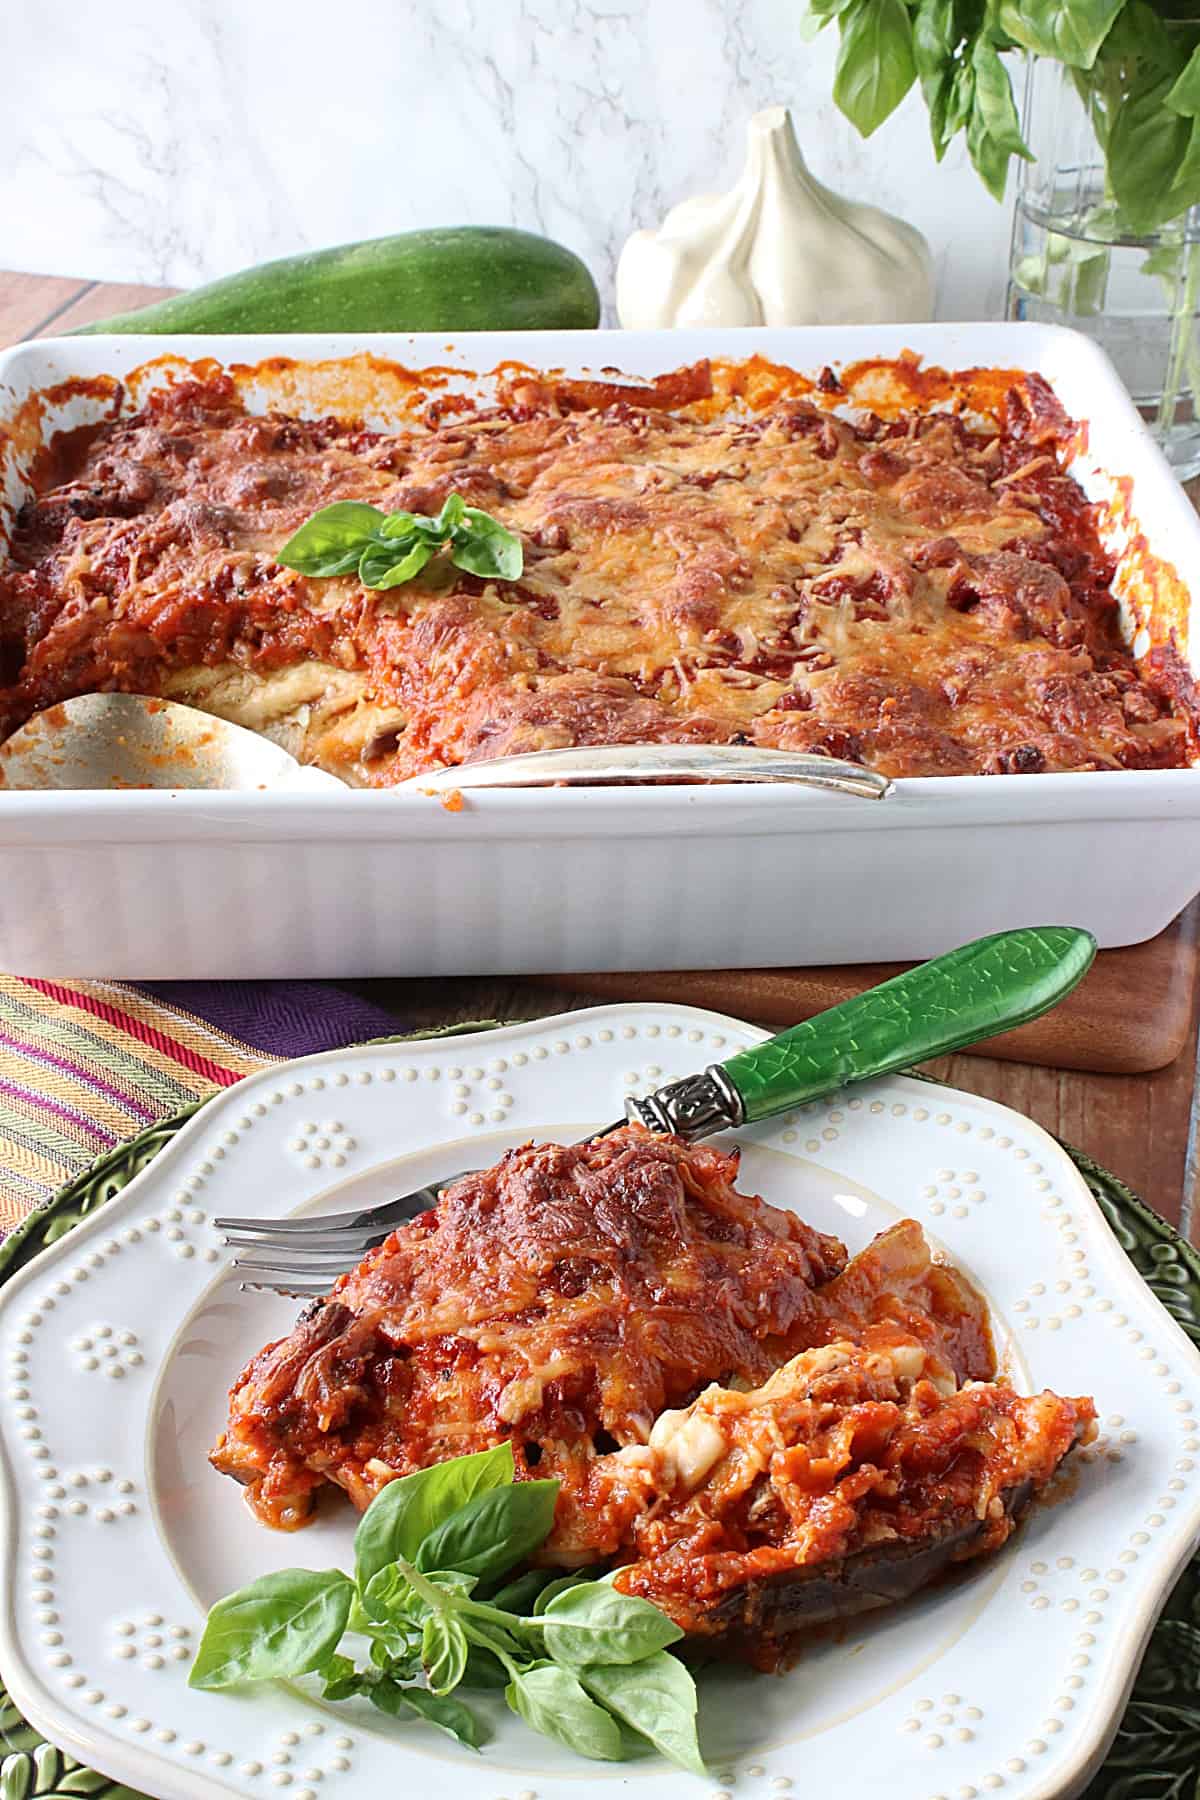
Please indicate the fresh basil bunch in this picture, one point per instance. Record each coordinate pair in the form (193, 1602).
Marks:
(1135, 66)
(577, 1660)
(386, 549)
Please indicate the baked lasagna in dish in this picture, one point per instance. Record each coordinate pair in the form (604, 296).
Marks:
(925, 593)
(758, 1431)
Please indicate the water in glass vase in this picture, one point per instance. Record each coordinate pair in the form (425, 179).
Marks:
(1138, 300)
(1073, 264)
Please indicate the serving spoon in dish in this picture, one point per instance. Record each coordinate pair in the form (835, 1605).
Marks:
(135, 741)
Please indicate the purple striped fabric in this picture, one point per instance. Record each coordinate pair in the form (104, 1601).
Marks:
(281, 1018)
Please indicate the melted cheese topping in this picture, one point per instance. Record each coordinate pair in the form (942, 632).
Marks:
(916, 595)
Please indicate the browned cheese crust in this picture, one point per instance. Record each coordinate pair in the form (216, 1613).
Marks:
(559, 1300)
(921, 595)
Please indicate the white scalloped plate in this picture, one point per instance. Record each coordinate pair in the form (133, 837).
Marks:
(119, 1342)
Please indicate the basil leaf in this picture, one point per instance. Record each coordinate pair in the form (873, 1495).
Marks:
(559, 1586)
(521, 1593)
(634, 1746)
(1141, 38)
(398, 1614)
(1184, 96)
(483, 546)
(492, 1532)
(960, 98)
(393, 1653)
(454, 511)
(443, 1652)
(1071, 31)
(403, 1513)
(993, 129)
(875, 67)
(484, 1669)
(596, 1623)
(656, 1697)
(387, 1597)
(1165, 263)
(387, 565)
(1184, 190)
(404, 1666)
(448, 1715)
(554, 1702)
(389, 1697)
(399, 525)
(499, 1639)
(391, 1602)
(331, 542)
(284, 1624)
(358, 1620)
(935, 35)
(937, 91)
(342, 1680)
(455, 1581)
(1149, 147)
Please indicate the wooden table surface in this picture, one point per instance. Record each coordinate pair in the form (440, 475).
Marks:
(1142, 1127)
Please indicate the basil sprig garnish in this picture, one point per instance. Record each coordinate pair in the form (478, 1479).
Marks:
(387, 549)
(578, 1660)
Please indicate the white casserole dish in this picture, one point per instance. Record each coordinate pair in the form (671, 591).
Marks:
(374, 883)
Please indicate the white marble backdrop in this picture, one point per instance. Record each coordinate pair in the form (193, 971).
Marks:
(174, 140)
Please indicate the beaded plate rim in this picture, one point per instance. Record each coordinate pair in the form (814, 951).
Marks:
(1158, 1253)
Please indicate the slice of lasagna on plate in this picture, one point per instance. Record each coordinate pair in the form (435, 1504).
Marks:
(760, 1432)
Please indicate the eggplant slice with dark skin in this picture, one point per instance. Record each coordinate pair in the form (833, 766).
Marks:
(857, 1474)
(779, 1608)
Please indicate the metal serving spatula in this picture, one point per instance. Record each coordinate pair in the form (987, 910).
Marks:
(133, 741)
(993, 984)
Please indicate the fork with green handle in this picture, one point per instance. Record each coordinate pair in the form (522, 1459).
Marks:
(991, 985)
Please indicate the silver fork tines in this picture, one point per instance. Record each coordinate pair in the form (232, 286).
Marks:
(292, 1290)
(329, 1245)
(325, 1243)
(392, 1212)
(312, 1266)
(320, 1249)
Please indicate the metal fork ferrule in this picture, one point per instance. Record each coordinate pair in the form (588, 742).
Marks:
(690, 1108)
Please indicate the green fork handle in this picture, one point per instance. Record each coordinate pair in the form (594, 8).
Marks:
(988, 986)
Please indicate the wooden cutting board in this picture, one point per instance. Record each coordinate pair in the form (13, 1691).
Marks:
(1131, 1013)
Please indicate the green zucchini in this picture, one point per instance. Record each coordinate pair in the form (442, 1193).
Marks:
(463, 278)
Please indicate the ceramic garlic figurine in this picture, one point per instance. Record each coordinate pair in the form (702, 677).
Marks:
(778, 249)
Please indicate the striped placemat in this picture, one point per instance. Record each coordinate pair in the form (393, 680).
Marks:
(86, 1064)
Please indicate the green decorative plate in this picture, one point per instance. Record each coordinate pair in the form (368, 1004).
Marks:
(1156, 1755)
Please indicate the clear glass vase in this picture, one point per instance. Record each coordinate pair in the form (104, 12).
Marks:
(1072, 263)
